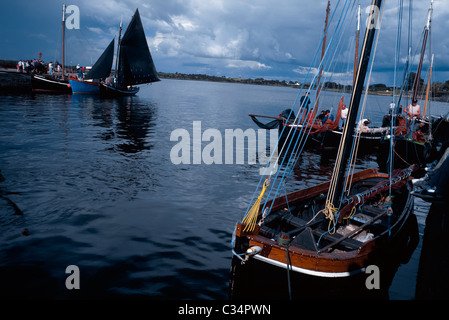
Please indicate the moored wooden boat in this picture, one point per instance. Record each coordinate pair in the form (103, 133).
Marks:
(49, 84)
(336, 229)
(413, 134)
(297, 227)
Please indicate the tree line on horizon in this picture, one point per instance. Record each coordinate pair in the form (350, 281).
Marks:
(437, 88)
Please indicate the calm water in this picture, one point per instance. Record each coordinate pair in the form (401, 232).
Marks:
(96, 188)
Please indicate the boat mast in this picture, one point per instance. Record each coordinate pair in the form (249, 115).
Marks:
(323, 51)
(63, 39)
(428, 87)
(117, 65)
(423, 49)
(356, 46)
(346, 142)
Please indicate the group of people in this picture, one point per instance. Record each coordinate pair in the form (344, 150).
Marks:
(38, 66)
(321, 118)
(324, 115)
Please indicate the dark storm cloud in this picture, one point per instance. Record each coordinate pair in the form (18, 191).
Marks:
(264, 38)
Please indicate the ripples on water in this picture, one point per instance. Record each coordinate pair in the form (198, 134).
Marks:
(94, 181)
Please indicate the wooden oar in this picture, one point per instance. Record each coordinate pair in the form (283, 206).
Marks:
(260, 116)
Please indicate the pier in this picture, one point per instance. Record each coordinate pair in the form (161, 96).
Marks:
(13, 81)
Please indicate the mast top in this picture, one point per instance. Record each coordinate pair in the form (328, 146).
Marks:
(358, 18)
(429, 15)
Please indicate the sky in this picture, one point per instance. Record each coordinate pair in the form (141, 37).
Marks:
(270, 39)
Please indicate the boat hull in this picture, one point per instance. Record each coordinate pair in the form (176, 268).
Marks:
(48, 84)
(330, 139)
(84, 87)
(329, 264)
(406, 153)
(250, 280)
(107, 91)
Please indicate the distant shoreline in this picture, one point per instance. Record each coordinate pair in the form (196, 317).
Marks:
(9, 65)
(443, 97)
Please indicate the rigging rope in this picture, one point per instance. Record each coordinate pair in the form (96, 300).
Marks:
(299, 115)
(354, 151)
(329, 207)
(303, 138)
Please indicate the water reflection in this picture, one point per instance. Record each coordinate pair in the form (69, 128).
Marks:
(136, 121)
(128, 120)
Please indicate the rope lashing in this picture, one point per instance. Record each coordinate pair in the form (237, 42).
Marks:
(250, 218)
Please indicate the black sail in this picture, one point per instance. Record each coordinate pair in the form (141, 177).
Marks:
(102, 68)
(136, 65)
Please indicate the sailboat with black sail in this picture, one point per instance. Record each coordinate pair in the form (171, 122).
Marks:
(90, 83)
(134, 62)
(334, 230)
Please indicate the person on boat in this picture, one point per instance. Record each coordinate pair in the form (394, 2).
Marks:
(363, 126)
(413, 109)
(327, 115)
(305, 101)
(343, 115)
(320, 117)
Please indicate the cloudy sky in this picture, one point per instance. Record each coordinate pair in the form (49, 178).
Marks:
(271, 39)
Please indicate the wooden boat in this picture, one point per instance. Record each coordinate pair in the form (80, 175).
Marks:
(413, 136)
(52, 83)
(321, 136)
(90, 84)
(369, 141)
(333, 230)
(41, 83)
(302, 231)
(134, 64)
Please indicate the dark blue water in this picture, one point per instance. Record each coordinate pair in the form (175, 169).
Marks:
(89, 182)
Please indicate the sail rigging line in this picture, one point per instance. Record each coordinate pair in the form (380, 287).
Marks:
(395, 75)
(264, 209)
(426, 33)
(337, 181)
(337, 31)
(296, 118)
(323, 49)
(334, 50)
(354, 152)
(428, 87)
(356, 54)
(319, 85)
